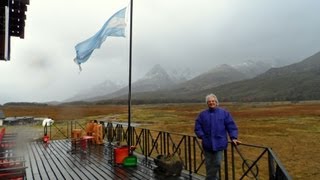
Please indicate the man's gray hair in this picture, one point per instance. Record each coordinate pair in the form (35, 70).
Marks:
(212, 96)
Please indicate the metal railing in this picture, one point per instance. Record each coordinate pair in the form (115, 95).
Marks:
(245, 161)
(62, 130)
(240, 162)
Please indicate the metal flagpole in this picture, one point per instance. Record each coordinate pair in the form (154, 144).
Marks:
(130, 72)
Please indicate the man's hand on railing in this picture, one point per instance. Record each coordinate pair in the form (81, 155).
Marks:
(236, 141)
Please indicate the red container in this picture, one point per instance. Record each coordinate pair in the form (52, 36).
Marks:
(120, 153)
(46, 139)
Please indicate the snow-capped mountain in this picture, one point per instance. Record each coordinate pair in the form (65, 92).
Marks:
(180, 75)
(252, 68)
(155, 79)
(218, 75)
(158, 78)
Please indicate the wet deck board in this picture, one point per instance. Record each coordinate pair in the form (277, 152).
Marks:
(57, 161)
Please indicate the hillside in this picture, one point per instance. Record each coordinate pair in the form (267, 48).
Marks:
(299, 81)
(215, 77)
(155, 79)
(158, 86)
(295, 82)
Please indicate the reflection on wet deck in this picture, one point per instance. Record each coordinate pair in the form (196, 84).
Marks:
(59, 160)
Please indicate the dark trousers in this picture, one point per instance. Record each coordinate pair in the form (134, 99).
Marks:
(212, 161)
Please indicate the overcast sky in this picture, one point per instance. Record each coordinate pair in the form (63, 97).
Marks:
(195, 34)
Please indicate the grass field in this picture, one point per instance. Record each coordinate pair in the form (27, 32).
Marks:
(292, 130)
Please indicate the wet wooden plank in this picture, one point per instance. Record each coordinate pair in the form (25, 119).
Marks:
(38, 166)
(101, 167)
(56, 161)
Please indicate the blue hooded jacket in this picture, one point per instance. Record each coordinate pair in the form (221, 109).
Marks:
(212, 126)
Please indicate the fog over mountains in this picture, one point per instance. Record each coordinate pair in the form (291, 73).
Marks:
(104, 88)
(246, 82)
(295, 82)
(155, 79)
(158, 79)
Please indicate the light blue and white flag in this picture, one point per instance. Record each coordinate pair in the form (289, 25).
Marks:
(115, 26)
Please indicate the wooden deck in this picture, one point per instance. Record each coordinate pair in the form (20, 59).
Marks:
(56, 160)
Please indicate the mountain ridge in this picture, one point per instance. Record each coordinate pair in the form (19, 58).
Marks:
(295, 82)
(250, 81)
(298, 81)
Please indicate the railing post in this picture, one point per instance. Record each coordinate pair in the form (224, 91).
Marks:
(168, 142)
(161, 143)
(194, 154)
(189, 154)
(146, 143)
(271, 167)
(226, 164)
(232, 161)
(68, 130)
(165, 143)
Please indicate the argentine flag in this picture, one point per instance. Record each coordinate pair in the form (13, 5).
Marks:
(115, 26)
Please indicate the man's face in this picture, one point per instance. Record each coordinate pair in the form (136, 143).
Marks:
(212, 102)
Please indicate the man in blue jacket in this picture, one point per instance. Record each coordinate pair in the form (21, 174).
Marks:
(212, 126)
